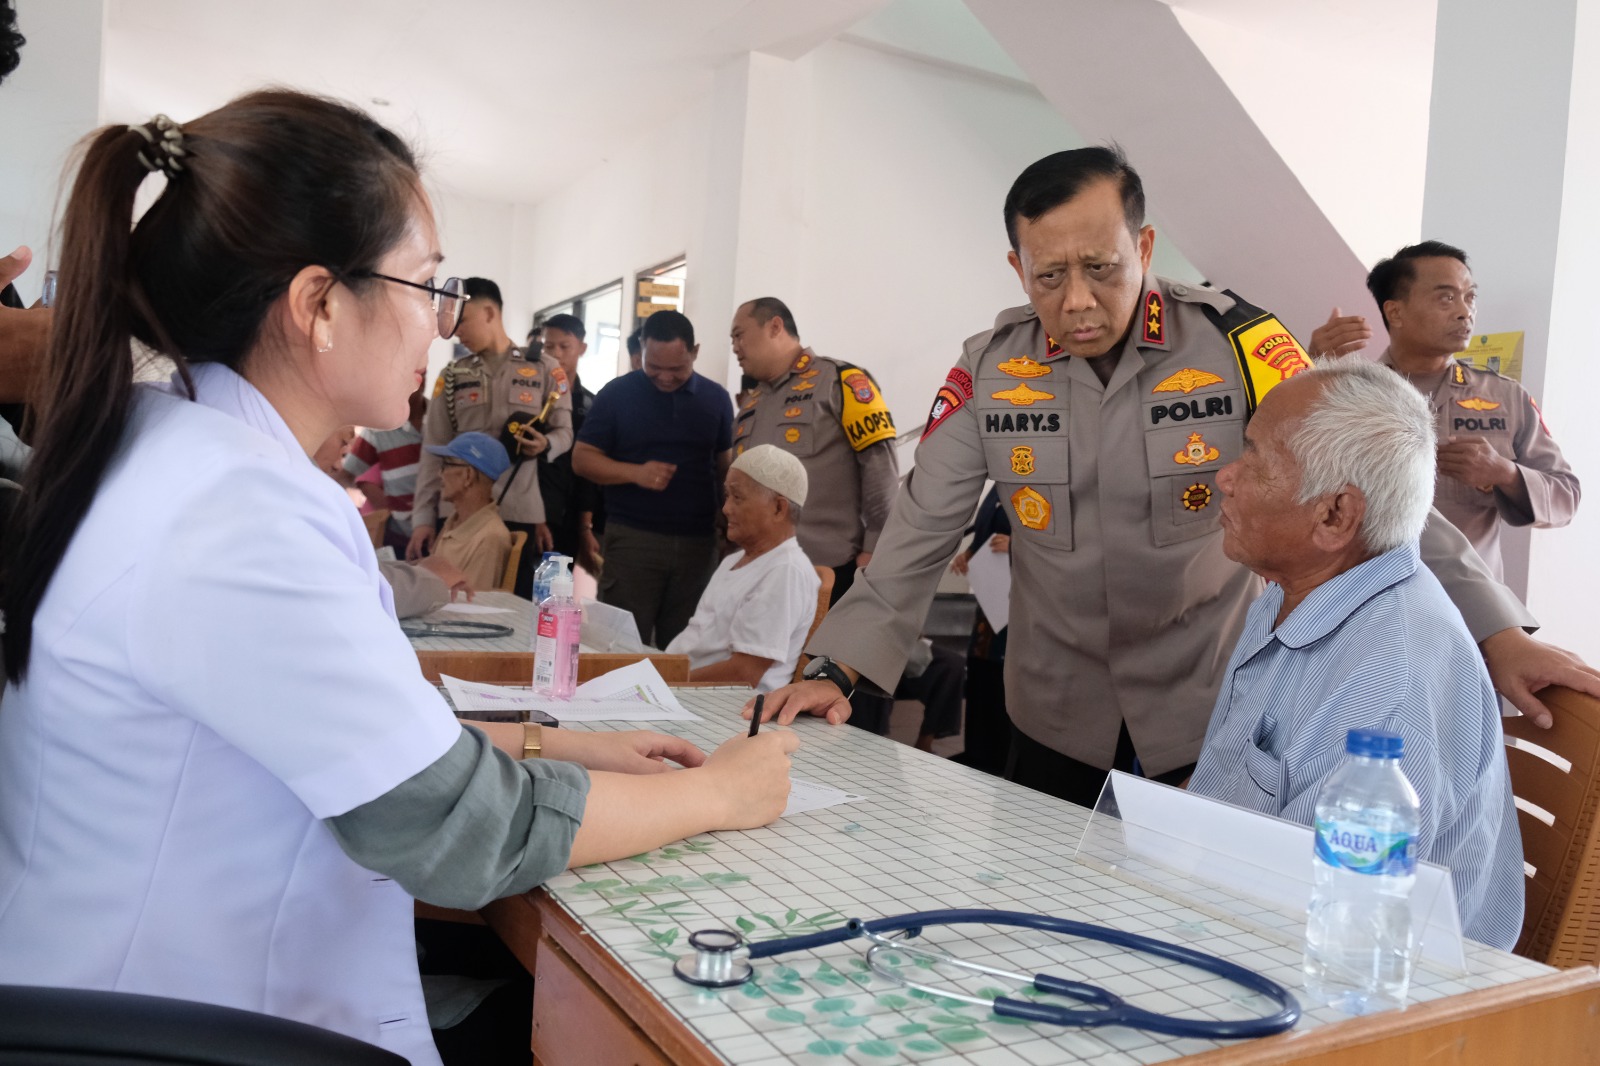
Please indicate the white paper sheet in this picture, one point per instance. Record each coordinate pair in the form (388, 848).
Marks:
(474, 608)
(809, 796)
(634, 693)
(1262, 857)
(989, 574)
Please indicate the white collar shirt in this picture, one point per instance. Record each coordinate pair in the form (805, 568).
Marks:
(215, 668)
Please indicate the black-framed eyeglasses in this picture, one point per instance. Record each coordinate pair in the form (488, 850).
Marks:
(448, 299)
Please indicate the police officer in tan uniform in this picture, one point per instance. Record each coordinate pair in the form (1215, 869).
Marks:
(1498, 463)
(500, 390)
(832, 417)
(1103, 412)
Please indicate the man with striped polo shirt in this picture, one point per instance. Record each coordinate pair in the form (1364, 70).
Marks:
(1326, 503)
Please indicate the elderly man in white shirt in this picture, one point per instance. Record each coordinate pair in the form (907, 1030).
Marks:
(754, 614)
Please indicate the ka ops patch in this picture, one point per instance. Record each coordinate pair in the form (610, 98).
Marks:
(865, 418)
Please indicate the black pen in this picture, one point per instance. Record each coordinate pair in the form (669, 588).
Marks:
(755, 717)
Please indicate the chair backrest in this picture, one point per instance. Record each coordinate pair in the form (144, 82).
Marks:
(591, 664)
(79, 1027)
(516, 667)
(508, 580)
(376, 522)
(824, 594)
(1555, 776)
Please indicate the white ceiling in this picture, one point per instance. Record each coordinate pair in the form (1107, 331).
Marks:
(507, 99)
(511, 99)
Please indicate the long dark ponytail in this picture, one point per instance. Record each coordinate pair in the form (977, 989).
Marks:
(263, 187)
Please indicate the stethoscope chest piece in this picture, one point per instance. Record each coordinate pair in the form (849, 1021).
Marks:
(713, 964)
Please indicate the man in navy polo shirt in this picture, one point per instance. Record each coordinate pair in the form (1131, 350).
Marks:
(659, 441)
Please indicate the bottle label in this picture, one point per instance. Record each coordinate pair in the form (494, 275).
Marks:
(1363, 850)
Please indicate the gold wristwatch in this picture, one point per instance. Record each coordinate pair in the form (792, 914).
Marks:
(532, 740)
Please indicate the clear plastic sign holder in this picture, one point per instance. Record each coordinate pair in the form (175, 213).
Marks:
(1248, 869)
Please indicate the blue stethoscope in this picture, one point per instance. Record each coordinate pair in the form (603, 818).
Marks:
(715, 965)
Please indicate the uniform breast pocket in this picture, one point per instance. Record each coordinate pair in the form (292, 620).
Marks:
(1266, 771)
(1484, 426)
(469, 396)
(796, 432)
(1183, 462)
(1034, 477)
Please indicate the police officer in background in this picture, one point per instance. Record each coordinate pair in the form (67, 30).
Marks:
(503, 391)
(831, 416)
(1498, 463)
(1103, 411)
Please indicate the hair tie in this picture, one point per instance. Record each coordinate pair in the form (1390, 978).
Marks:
(164, 149)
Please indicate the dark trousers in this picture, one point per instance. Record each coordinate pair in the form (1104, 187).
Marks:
(987, 739)
(531, 556)
(868, 710)
(498, 1029)
(657, 576)
(1037, 767)
(938, 689)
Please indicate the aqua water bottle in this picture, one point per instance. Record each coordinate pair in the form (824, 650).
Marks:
(547, 569)
(1358, 932)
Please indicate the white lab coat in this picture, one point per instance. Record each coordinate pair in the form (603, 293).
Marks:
(215, 668)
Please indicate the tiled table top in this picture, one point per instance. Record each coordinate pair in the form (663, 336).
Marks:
(930, 834)
(520, 620)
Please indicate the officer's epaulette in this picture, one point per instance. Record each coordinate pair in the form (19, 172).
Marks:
(1266, 351)
(1220, 302)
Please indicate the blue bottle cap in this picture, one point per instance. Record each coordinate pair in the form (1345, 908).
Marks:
(548, 556)
(1374, 744)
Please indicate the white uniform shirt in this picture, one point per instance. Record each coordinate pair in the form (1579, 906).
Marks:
(763, 608)
(215, 668)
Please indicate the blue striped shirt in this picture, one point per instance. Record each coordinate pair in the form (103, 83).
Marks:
(1379, 646)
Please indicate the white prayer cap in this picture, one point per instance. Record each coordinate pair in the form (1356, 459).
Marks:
(771, 466)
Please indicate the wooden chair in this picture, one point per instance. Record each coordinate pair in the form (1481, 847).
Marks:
(516, 667)
(508, 580)
(376, 522)
(824, 594)
(1555, 775)
(672, 668)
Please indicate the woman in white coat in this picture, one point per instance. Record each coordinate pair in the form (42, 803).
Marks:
(222, 775)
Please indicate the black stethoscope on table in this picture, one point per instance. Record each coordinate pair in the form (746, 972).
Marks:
(458, 630)
(714, 965)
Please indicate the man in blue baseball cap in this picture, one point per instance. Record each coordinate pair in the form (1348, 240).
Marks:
(474, 538)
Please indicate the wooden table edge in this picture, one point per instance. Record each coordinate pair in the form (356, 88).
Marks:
(1444, 1016)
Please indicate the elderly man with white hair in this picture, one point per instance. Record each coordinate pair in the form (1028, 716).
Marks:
(753, 616)
(1326, 503)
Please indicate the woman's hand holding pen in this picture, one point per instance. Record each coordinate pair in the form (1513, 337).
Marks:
(752, 777)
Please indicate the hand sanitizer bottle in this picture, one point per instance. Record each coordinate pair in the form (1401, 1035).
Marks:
(555, 647)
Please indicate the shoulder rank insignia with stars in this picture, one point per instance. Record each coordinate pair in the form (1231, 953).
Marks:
(1021, 366)
(1477, 403)
(1460, 374)
(1022, 396)
(1187, 380)
(1155, 328)
(1051, 348)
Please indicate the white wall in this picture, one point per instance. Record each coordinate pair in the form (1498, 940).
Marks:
(1341, 90)
(641, 207)
(49, 103)
(901, 253)
(475, 235)
(904, 253)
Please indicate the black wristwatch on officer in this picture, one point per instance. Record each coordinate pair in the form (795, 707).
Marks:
(823, 668)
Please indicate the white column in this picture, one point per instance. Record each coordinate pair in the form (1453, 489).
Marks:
(1513, 158)
(47, 104)
(750, 237)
